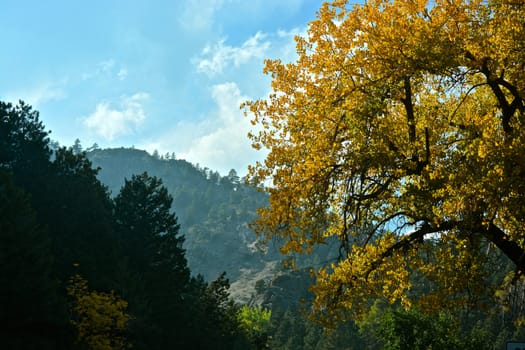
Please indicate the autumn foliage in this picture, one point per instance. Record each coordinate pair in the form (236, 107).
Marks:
(99, 318)
(399, 131)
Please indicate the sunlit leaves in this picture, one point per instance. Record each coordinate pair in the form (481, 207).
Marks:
(99, 318)
(255, 323)
(399, 131)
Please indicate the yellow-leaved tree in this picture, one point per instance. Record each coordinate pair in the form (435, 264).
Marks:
(99, 318)
(399, 131)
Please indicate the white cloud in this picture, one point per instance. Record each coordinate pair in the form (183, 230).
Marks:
(106, 66)
(218, 142)
(198, 15)
(227, 135)
(109, 122)
(106, 69)
(122, 74)
(215, 58)
(44, 94)
(40, 94)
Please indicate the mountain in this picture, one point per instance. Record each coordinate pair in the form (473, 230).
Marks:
(214, 212)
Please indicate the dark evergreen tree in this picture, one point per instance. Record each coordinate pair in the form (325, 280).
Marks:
(77, 147)
(78, 211)
(290, 331)
(57, 220)
(24, 146)
(215, 324)
(33, 314)
(152, 246)
(24, 143)
(147, 228)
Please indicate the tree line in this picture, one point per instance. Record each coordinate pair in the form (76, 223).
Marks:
(80, 269)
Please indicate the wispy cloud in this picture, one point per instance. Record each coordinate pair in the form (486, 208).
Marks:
(218, 142)
(122, 74)
(110, 122)
(215, 58)
(39, 94)
(224, 145)
(198, 15)
(109, 68)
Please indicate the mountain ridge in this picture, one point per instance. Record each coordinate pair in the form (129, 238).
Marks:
(214, 212)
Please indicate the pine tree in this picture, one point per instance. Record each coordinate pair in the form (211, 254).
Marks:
(32, 313)
(152, 246)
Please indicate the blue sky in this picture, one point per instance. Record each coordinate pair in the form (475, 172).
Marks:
(165, 75)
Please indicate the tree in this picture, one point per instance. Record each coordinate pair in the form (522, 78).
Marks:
(399, 131)
(94, 147)
(214, 316)
(32, 312)
(255, 321)
(148, 229)
(289, 331)
(24, 145)
(23, 140)
(396, 328)
(77, 147)
(152, 249)
(233, 177)
(99, 318)
(78, 211)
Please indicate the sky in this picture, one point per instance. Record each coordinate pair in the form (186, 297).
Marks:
(151, 74)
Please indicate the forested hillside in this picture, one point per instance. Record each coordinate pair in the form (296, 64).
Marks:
(214, 211)
(80, 269)
(214, 214)
(86, 268)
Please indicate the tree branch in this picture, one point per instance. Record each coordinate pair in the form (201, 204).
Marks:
(407, 241)
(409, 107)
(510, 248)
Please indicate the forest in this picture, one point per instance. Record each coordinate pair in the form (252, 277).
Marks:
(86, 268)
(83, 269)
(388, 213)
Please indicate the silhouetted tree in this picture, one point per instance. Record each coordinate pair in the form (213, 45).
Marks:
(32, 313)
(150, 241)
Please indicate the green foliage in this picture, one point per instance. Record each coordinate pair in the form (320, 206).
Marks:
(147, 229)
(55, 213)
(395, 328)
(32, 312)
(293, 331)
(24, 143)
(57, 220)
(255, 321)
(151, 247)
(215, 323)
(77, 209)
(290, 332)
(413, 330)
(214, 211)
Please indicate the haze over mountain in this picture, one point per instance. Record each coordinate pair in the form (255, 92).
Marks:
(214, 212)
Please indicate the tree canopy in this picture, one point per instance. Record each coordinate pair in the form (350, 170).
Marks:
(58, 223)
(399, 131)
